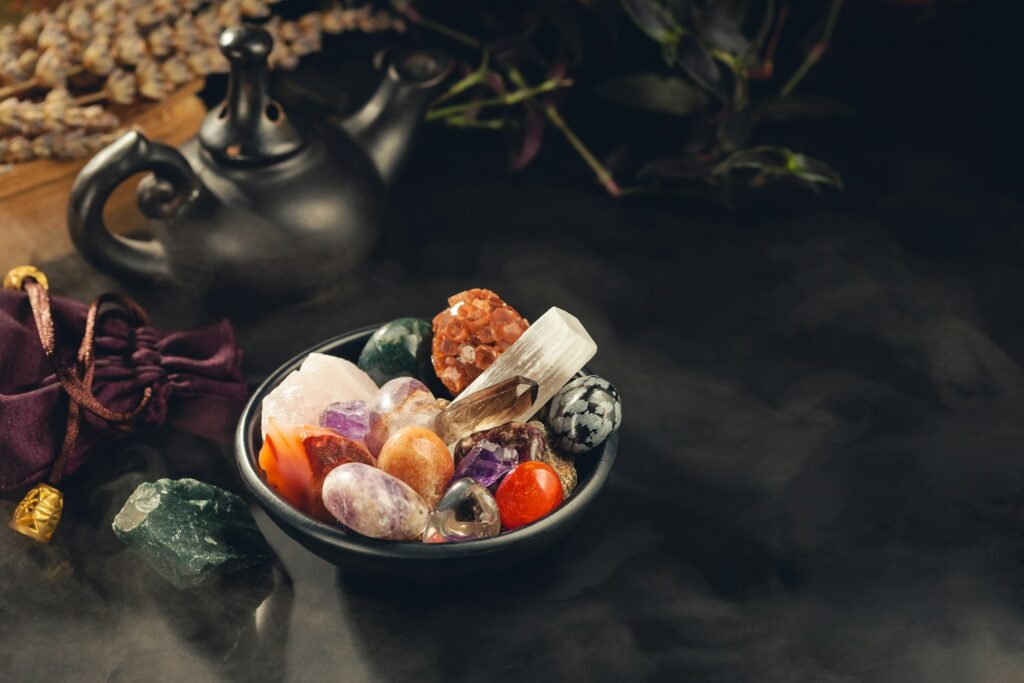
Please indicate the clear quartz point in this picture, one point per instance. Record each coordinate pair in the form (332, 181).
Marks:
(491, 406)
(551, 351)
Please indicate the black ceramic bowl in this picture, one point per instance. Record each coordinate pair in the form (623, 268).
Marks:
(407, 559)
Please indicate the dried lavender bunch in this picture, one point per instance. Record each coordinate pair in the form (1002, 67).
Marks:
(55, 114)
(72, 145)
(131, 49)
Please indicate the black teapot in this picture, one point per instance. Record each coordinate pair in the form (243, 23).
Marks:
(258, 202)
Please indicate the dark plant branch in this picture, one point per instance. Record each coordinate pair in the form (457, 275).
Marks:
(767, 66)
(509, 99)
(816, 52)
(413, 15)
(461, 115)
(486, 124)
(472, 79)
(717, 62)
(604, 176)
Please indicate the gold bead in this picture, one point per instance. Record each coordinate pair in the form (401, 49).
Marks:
(38, 513)
(15, 277)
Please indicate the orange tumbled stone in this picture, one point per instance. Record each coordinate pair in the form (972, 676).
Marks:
(418, 457)
(470, 334)
(284, 462)
(296, 459)
(531, 491)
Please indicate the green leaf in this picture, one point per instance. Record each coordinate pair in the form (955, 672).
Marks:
(762, 165)
(654, 20)
(701, 67)
(814, 171)
(653, 92)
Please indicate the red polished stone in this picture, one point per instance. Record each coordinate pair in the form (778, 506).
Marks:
(531, 491)
(327, 449)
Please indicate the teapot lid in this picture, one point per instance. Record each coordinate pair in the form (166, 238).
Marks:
(248, 127)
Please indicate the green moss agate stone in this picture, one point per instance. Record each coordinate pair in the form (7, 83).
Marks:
(190, 532)
(400, 348)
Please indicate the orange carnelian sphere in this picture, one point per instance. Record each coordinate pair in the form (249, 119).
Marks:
(531, 491)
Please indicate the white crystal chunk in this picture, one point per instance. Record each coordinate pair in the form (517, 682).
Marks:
(319, 381)
(553, 349)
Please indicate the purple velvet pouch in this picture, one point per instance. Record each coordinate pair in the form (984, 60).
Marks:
(195, 378)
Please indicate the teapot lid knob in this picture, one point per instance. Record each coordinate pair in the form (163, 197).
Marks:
(248, 127)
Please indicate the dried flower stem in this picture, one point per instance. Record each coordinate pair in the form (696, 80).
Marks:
(604, 176)
(90, 98)
(487, 124)
(766, 68)
(815, 53)
(410, 13)
(514, 97)
(30, 84)
(464, 84)
(18, 88)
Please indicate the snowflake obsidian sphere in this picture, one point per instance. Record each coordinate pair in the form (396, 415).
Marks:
(584, 413)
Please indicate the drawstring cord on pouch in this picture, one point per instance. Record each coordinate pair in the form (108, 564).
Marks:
(38, 514)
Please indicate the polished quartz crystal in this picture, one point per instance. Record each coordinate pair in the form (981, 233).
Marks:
(489, 407)
(374, 503)
(554, 348)
(321, 380)
(467, 511)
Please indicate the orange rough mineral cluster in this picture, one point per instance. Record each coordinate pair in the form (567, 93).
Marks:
(470, 334)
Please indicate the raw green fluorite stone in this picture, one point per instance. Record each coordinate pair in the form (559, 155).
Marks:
(400, 348)
(190, 532)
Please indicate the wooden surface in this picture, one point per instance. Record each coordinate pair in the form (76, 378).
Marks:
(33, 196)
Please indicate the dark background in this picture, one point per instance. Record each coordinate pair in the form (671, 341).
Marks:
(819, 475)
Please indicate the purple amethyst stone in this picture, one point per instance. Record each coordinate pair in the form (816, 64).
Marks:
(351, 419)
(486, 463)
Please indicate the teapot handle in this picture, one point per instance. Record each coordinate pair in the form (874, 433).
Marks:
(161, 195)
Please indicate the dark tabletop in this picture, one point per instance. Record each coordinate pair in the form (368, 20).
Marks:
(820, 470)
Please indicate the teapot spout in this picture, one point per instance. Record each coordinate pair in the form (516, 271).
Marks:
(386, 125)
